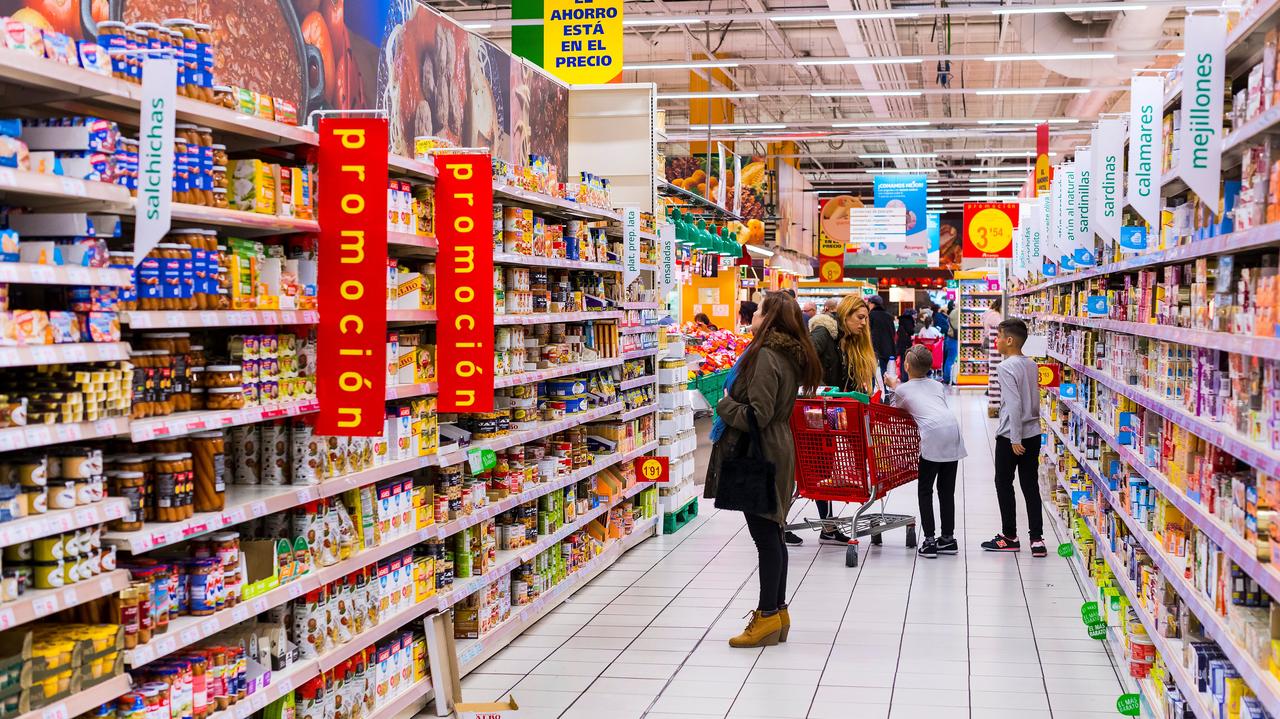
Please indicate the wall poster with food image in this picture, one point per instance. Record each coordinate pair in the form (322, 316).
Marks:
(539, 115)
(747, 190)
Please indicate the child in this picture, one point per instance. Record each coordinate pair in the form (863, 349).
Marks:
(1017, 440)
(941, 447)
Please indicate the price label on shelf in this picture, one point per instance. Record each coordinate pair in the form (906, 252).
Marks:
(55, 711)
(77, 353)
(295, 590)
(209, 627)
(114, 510)
(257, 509)
(190, 635)
(44, 606)
(7, 177)
(37, 436)
(239, 613)
(305, 495)
(259, 605)
(41, 274)
(105, 585)
(70, 597)
(175, 319)
(166, 645)
(235, 516)
(72, 186)
(7, 619)
(44, 355)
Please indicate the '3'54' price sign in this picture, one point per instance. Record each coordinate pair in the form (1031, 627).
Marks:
(653, 469)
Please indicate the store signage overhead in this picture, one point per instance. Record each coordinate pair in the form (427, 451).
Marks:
(155, 154)
(351, 349)
(1082, 252)
(582, 40)
(667, 277)
(464, 282)
(1107, 180)
(1200, 136)
(1146, 142)
(1042, 173)
(630, 245)
(988, 229)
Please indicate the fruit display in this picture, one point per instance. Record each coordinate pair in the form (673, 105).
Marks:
(701, 177)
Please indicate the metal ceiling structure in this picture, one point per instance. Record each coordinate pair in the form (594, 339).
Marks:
(862, 85)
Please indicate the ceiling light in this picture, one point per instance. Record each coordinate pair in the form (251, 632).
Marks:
(702, 64)
(1050, 121)
(882, 123)
(708, 95)
(901, 170)
(1010, 153)
(863, 61)
(662, 21)
(1089, 7)
(897, 155)
(815, 17)
(1002, 168)
(740, 126)
(1033, 57)
(997, 180)
(867, 93)
(1036, 91)
(477, 25)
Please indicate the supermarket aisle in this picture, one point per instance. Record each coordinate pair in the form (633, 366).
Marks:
(978, 635)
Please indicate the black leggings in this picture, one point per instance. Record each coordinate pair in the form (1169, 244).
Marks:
(767, 534)
(945, 473)
(824, 508)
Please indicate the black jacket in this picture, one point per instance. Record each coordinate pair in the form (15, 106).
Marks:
(824, 333)
(906, 328)
(882, 333)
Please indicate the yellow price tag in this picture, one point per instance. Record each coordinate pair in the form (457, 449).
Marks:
(991, 231)
(831, 271)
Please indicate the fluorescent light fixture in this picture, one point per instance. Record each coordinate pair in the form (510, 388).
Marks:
(1082, 7)
(1010, 153)
(897, 155)
(1036, 91)
(707, 95)
(867, 93)
(759, 251)
(700, 65)
(477, 25)
(1002, 168)
(870, 15)
(884, 123)
(1050, 121)
(900, 170)
(740, 126)
(662, 21)
(1033, 57)
(886, 60)
(996, 180)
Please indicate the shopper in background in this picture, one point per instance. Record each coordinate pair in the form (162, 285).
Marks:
(746, 313)
(779, 361)
(825, 334)
(829, 311)
(808, 310)
(881, 332)
(926, 329)
(992, 317)
(906, 329)
(1017, 441)
(704, 322)
(951, 350)
(941, 448)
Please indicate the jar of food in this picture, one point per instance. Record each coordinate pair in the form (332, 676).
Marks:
(171, 486)
(220, 198)
(223, 376)
(217, 398)
(61, 494)
(130, 486)
(49, 575)
(220, 158)
(198, 398)
(208, 450)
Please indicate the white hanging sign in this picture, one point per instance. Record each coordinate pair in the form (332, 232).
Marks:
(667, 280)
(1107, 182)
(1146, 143)
(1071, 216)
(1200, 136)
(630, 245)
(1039, 222)
(155, 154)
(1082, 254)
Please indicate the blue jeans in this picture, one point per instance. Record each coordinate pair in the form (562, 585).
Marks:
(950, 349)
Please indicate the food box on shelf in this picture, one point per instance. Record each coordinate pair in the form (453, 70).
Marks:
(31, 678)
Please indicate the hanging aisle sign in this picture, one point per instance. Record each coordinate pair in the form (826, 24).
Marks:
(988, 229)
(1048, 219)
(464, 282)
(630, 245)
(1200, 136)
(1070, 216)
(351, 341)
(1106, 203)
(582, 40)
(1082, 254)
(1042, 175)
(667, 279)
(155, 154)
(1146, 142)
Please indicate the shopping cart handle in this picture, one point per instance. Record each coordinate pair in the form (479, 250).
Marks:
(834, 394)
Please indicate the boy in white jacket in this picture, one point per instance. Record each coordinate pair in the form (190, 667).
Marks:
(941, 448)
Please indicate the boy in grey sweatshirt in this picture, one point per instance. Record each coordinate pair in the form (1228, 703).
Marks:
(1017, 441)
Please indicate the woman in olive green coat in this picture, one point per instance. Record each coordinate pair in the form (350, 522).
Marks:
(767, 379)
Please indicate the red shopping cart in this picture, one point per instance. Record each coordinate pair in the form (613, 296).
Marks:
(854, 452)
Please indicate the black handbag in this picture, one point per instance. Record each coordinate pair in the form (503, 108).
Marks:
(746, 477)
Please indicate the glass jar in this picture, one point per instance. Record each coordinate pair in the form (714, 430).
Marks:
(208, 451)
(218, 398)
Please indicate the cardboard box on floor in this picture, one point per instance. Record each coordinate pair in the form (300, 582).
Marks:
(488, 710)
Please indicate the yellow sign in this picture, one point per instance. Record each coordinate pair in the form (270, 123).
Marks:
(1042, 175)
(831, 271)
(991, 231)
(582, 40)
(829, 246)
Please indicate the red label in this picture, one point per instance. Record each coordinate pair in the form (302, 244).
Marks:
(1050, 374)
(351, 352)
(653, 469)
(464, 282)
(988, 229)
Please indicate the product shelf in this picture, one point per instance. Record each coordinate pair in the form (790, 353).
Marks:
(57, 521)
(638, 329)
(26, 273)
(42, 190)
(406, 239)
(641, 305)
(1263, 459)
(492, 510)
(511, 380)
(503, 193)
(183, 423)
(1265, 347)
(174, 319)
(37, 603)
(512, 258)
(40, 435)
(637, 354)
(243, 222)
(63, 354)
(550, 317)
(1173, 570)
(543, 429)
(412, 317)
(84, 701)
(646, 267)
(399, 164)
(638, 412)
(474, 652)
(509, 559)
(638, 382)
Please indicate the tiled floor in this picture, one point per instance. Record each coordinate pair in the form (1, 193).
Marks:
(978, 635)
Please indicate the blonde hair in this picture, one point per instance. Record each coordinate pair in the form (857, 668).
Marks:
(859, 356)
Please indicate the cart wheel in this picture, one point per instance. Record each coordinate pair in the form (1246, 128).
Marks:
(851, 556)
(911, 536)
(877, 540)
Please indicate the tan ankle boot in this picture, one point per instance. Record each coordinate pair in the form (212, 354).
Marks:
(786, 623)
(761, 631)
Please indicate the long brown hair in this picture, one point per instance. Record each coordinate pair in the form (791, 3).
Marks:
(859, 356)
(782, 315)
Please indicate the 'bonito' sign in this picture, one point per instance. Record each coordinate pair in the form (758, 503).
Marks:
(351, 373)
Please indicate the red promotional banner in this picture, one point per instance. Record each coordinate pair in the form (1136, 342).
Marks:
(351, 341)
(464, 282)
(1049, 374)
(988, 229)
(1042, 175)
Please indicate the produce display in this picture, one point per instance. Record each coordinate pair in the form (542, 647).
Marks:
(717, 350)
